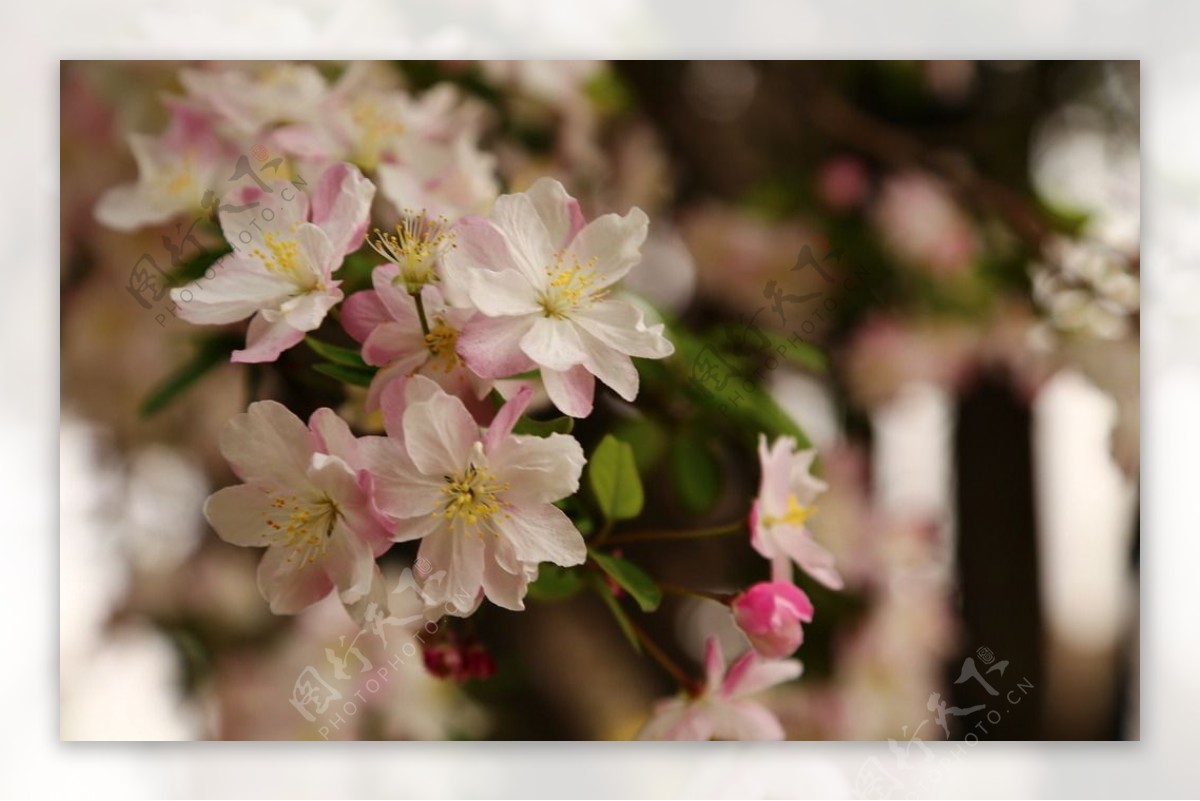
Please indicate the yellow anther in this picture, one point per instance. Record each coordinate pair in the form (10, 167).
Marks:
(796, 515)
(415, 247)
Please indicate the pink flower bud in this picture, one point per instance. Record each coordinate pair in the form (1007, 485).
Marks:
(770, 614)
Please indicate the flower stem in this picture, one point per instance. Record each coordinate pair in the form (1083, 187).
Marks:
(660, 656)
(675, 534)
(416, 296)
(675, 589)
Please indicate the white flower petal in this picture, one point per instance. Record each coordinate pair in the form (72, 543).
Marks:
(239, 514)
(620, 325)
(455, 575)
(268, 446)
(491, 346)
(529, 242)
(439, 433)
(554, 344)
(266, 339)
(611, 245)
(543, 533)
(238, 288)
(572, 391)
(287, 587)
(538, 470)
(559, 211)
(500, 294)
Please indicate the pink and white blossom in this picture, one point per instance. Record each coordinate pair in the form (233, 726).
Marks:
(175, 169)
(307, 498)
(385, 320)
(250, 100)
(481, 501)
(722, 709)
(543, 282)
(286, 249)
(770, 614)
(368, 125)
(442, 178)
(786, 499)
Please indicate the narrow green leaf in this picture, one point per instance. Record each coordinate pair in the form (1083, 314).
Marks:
(630, 578)
(714, 385)
(771, 344)
(617, 612)
(697, 472)
(555, 583)
(210, 352)
(347, 375)
(544, 428)
(613, 477)
(335, 353)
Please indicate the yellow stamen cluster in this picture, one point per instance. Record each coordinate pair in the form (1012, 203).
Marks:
(472, 496)
(442, 341)
(572, 285)
(796, 515)
(182, 180)
(375, 129)
(415, 247)
(304, 528)
(282, 258)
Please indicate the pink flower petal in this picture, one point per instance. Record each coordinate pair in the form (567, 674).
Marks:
(341, 206)
(571, 391)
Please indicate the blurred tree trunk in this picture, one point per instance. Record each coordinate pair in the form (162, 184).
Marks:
(998, 562)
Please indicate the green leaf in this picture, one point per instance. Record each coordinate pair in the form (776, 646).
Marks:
(194, 267)
(555, 583)
(630, 578)
(646, 437)
(613, 477)
(771, 344)
(712, 383)
(347, 375)
(697, 472)
(335, 353)
(356, 270)
(210, 352)
(617, 612)
(544, 428)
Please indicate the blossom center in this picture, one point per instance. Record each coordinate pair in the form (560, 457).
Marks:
(473, 495)
(796, 515)
(442, 340)
(571, 286)
(182, 180)
(414, 248)
(303, 527)
(375, 128)
(282, 258)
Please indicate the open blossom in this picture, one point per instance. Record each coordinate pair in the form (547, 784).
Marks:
(175, 169)
(542, 281)
(364, 123)
(481, 502)
(249, 100)
(281, 270)
(722, 710)
(386, 322)
(307, 498)
(786, 497)
(770, 614)
(447, 179)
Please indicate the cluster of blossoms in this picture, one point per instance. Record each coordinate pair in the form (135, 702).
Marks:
(470, 319)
